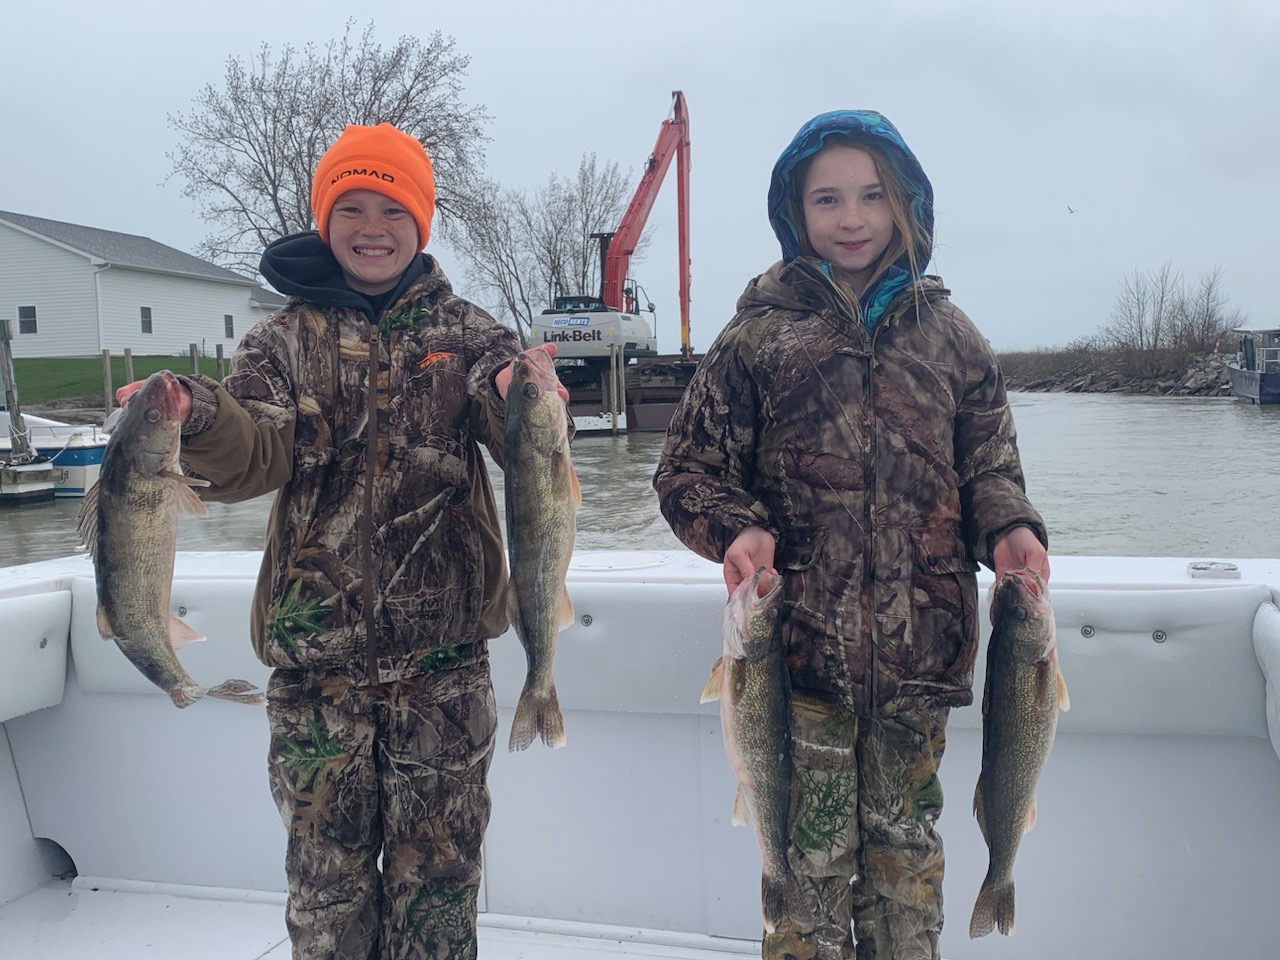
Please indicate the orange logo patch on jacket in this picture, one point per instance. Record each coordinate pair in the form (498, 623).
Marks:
(431, 356)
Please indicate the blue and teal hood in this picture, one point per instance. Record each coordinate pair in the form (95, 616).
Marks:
(871, 127)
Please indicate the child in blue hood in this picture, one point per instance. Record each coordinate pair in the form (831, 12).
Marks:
(849, 428)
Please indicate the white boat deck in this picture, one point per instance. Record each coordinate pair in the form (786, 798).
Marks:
(1173, 666)
(66, 920)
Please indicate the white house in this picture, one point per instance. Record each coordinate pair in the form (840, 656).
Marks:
(74, 291)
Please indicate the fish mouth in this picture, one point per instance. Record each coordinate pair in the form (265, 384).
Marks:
(161, 390)
(1029, 579)
(535, 366)
(766, 584)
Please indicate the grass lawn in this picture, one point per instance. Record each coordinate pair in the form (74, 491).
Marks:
(41, 380)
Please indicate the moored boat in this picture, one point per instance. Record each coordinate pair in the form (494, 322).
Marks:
(1255, 372)
(74, 450)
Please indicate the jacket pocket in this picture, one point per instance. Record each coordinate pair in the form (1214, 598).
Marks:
(824, 623)
(309, 573)
(798, 557)
(430, 575)
(944, 614)
(940, 550)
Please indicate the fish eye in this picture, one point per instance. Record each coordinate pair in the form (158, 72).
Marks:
(530, 391)
(153, 415)
(1020, 612)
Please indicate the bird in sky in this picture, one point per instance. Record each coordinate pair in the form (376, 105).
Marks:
(1069, 210)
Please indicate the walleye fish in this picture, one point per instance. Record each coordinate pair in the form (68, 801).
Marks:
(750, 681)
(1023, 693)
(129, 521)
(542, 497)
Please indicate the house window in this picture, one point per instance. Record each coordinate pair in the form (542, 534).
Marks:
(146, 319)
(229, 324)
(26, 319)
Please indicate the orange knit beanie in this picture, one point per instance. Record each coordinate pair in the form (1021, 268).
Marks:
(381, 158)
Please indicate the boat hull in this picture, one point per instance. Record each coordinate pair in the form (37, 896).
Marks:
(1254, 385)
(1174, 671)
(76, 462)
(75, 452)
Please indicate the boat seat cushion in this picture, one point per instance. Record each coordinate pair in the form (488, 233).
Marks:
(1266, 641)
(33, 651)
(216, 608)
(1155, 662)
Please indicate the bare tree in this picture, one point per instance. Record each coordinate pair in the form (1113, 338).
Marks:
(249, 148)
(1130, 323)
(499, 258)
(1157, 324)
(1204, 317)
(1143, 315)
(523, 250)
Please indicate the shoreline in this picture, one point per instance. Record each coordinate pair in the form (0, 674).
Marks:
(1200, 376)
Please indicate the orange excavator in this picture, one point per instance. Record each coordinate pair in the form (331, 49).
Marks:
(586, 327)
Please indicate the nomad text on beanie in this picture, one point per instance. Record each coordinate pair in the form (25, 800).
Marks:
(381, 158)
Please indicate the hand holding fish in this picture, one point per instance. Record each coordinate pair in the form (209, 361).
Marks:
(750, 681)
(1020, 548)
(1021, 698)
(542, 497)
(751, 549)
(502, 379)
(181, 392)
(129, 522)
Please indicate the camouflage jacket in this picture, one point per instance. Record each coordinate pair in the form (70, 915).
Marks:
(383, 543)
(884, 463)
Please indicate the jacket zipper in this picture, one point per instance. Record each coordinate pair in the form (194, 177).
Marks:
(870, 549)
(868, 698)
(366, 522)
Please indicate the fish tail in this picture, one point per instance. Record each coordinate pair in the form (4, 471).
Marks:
(994, 908)
(537, 715)
(781, 898)
(186, 694)
(238, 691)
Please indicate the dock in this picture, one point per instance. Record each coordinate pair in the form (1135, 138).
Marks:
(25, 477)
(651, 388)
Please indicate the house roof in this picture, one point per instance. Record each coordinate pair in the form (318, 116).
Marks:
(123, 249)
(267, 298)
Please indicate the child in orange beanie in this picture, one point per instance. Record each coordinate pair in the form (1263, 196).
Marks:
(362, 405)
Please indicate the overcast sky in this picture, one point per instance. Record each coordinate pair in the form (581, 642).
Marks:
(1158, 122)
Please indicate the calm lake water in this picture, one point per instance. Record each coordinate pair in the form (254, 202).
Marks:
(1112, 475)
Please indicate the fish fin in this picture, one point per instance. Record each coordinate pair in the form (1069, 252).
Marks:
(980, 814)
(1031, 816)
(182, 478)
(105, 629)
(185, 695)
(537, 715)
(187, 501)
(1064, 701)
(575, 489)
(87, 521)
(715, 683)
(180, 634)
(782, 898)
(238, 691)
(993, 908)
(566, 609)
(741, 812)
(113, 418)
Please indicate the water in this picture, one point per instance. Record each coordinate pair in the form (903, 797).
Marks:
(1112, 475)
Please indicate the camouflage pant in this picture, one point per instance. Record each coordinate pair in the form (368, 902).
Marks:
(396, 770)
(864, 797)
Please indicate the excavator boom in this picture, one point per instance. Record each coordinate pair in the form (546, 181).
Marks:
(673, 142)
